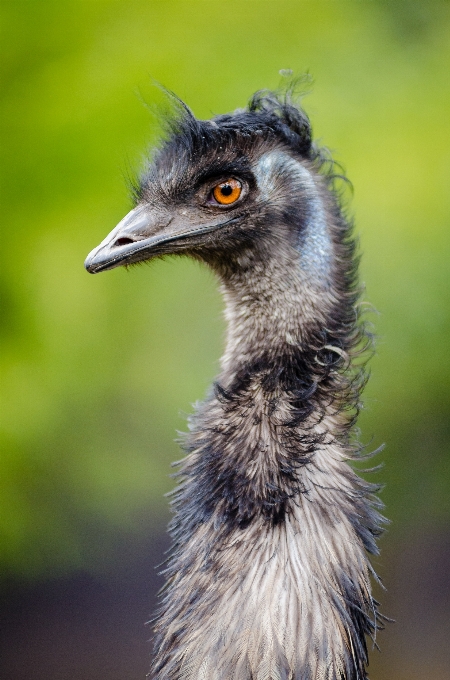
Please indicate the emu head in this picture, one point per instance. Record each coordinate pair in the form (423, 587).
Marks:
(231, 191)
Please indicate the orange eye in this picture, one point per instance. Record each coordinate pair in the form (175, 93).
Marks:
(227, 192)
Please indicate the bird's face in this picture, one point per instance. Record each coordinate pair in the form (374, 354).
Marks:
(213, 190)
(187, 219)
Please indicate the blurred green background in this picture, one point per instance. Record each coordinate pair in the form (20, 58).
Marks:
(98, 372)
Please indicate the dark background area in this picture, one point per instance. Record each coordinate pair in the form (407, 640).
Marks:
(97, 373)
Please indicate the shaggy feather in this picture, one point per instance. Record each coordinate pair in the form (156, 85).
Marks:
(268, 577)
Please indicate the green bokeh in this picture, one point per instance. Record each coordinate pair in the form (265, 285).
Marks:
(98, 371)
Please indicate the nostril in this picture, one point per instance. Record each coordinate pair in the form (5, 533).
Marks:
(123, 241)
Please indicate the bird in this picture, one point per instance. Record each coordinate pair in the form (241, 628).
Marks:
(269, 576)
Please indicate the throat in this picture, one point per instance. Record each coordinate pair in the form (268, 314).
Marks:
(272, 311)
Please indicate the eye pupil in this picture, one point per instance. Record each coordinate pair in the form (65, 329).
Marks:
(226, 190)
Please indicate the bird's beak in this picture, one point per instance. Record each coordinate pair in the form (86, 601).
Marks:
(144, 233)
(128, 242)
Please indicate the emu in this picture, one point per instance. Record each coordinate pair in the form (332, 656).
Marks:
(269, 576)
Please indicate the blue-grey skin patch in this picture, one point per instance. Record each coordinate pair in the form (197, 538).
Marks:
(315, 245)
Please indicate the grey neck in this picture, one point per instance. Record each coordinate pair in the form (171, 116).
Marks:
(273, 311)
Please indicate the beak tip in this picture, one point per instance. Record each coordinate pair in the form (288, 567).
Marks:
(100, 259)
(90, 264)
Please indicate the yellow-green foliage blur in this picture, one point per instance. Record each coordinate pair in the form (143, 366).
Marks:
(98, 372)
